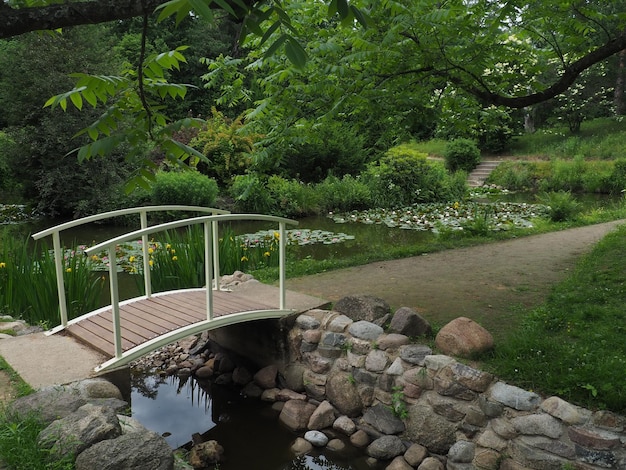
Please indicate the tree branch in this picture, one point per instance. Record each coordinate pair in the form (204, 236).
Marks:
(569, 76)
(16, 21)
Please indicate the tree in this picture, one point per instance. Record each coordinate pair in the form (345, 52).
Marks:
(497, 51)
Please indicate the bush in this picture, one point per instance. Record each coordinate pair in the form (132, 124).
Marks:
(333, 148)
(404, 176)
(617, 180)
(515, 176)
(345, 194)
(462, 154)
(562, 205)
(227, 149)
(251, 194)
(184, 187)
(291, 198)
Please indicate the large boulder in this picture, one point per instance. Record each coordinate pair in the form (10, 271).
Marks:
(427, 428)
(76, 432)
(342, 392)
(50, 404)
(362, 307)
(296, 414)
(463, 337)
(140, 450)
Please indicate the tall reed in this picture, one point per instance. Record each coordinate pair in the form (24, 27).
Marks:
(28, 286)
(177, 262)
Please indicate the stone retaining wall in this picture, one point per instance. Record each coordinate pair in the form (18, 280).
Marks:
(463, 417)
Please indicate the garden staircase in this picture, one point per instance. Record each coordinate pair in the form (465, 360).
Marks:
(478, 176)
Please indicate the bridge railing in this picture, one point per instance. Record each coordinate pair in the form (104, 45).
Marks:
(143, 217)
(211, 259)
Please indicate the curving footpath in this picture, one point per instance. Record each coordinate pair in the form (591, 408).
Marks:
(492, 284)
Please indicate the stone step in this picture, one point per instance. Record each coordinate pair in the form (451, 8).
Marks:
(478, 176)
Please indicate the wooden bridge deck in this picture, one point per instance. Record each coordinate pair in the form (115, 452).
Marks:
(143, 320)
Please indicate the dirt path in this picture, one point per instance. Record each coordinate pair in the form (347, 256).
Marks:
(491, 284)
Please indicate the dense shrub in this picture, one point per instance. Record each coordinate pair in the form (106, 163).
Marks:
(184, 187)
(617, 180)
(251, 194)
(345, 194)
(291, 198)
(227, 149)
(405, 176)
(515, 176)
(562, 205)
(335, 149)
(461, 154)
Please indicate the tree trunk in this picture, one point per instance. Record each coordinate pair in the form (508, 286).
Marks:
(618, 97)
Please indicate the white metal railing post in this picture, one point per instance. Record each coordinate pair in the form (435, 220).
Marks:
(58, 267)
(282, 233)
(216, 254)
(146, 255)
(208, 268)
(115, 302)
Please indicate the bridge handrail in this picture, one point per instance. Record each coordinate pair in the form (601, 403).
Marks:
(143, 215)
(211, 258)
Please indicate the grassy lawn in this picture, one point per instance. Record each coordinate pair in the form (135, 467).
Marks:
(603, 138)
(573, 346)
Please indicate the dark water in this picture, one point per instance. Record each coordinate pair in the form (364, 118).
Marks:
(247, 428)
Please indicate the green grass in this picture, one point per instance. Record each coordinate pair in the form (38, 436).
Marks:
(20, 387)
(19, 447)
(573, 346)
(603, 138)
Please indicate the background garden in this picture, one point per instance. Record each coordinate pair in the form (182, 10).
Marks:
(358, 131)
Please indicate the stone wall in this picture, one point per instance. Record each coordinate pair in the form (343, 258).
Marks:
(464, 418)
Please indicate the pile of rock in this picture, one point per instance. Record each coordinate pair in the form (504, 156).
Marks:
(85, 422)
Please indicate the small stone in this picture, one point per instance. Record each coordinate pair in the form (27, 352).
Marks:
(563, 410)
(376, 361)
(365, 330)
(317, 438)
(408, 322)
(266, 377)
(415, 353)
(538, 425)
(386, 448)
(322, 417)
(463, 337)
(462, 452)
(340, 323)
(301, 446)
(345, 425)
(204, 372)
(431, 463)
(312, 336)
(596, 439)
(307, 322)
(514, 397)
(399, 464)
(396, 368)
(336, 445)
(415, 454)
(360, 439)
(392, 341)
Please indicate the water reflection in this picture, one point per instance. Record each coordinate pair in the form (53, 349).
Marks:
(248, 429)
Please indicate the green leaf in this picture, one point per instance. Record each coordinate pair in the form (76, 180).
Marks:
(226, 7)
(270, 31)
(202, 9)
(274, 47)
(343, 8)
(295, 53)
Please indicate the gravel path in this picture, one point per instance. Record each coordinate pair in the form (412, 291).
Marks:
(492, 284)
